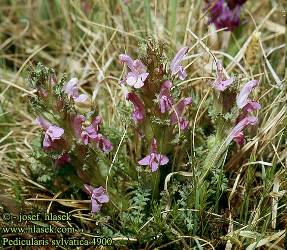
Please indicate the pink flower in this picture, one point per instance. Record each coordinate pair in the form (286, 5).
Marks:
(138, 113)
(176, 115)
(236, 133)
(165, 99)
(242, 99)
(137, 74)
(88, 134)
(92, 130)
(52, 133)
(221, 84)
(224, 15)
(176, 67)
(98, 197)
(239, 138)
(72, 90)
(153, 159)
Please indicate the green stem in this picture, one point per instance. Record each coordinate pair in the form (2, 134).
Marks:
(155, 184)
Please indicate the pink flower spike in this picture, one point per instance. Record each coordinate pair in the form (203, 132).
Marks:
(236, 131)
(153, 159)
(165, 104)
(176, 67)
(138, 113)
(242, 98)
(72, 90)
(98, 197)
(182, 104)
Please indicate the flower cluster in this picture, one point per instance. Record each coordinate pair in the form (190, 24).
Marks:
(236, 133)
(89, 134)
(75, 140)
(244, 104)
(151, 96)
(247, 106)
(225, 13)
(69, 136)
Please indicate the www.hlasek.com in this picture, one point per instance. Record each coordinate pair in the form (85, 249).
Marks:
(99, 241)
(39, 230)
